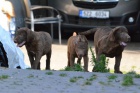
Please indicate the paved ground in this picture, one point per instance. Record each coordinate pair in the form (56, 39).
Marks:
(130, 59)
(45, 81)
(35, 81)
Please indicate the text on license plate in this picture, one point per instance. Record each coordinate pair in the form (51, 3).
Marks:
(93, 14)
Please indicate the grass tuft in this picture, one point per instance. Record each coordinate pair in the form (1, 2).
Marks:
(49, 73)
(127, 80)
(100, 66)
(137, 75)
(112, 77)
(88, 82)
(63, 75)
(76, 67)
(4, 77)
(74, 79)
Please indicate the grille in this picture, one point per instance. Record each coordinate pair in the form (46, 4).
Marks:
(98, 5)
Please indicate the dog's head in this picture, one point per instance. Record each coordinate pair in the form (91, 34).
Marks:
(120, 35)
(81, 45)
(22, 35)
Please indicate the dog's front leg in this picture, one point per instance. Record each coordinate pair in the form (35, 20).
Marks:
(48, 60)
(86, 63)
(72, 59)
(117, 63)
(79, 61)
(36, 63)
(68, 55)
(31, 58)
(98, 56)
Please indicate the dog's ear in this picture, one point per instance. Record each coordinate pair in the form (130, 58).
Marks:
(76, 41)
(28, 34)
(112, 34)
(81, 38)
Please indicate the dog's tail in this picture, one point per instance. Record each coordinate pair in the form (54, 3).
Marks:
(90, 31)
(74, 34)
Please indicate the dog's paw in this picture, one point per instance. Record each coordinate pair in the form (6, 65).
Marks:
(119, 72)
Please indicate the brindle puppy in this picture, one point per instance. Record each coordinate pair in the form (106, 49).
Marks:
(110, 42)
(37, 44)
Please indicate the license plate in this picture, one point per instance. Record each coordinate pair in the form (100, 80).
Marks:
(93, 14)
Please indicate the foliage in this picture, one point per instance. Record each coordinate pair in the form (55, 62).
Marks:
(88, 82)
(100, 66)
(74, 79)
(137, 75)
(131, 72)
(112, 77)
(63, 75)
(49, 73)
(30, 76)
(127, 80)
(76, 67)
(4, 77)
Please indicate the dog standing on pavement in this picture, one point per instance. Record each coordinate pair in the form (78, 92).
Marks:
(110, 42)
(77, 47)
(37, 44)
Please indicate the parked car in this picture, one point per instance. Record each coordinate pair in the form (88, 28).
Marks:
(92, 13)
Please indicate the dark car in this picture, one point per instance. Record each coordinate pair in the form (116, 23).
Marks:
(92, 13)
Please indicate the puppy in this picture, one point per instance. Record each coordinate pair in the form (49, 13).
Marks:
(77, 47)
(37, 44)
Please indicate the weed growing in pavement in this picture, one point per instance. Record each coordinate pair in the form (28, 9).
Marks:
(131, 72)
(76, 67)
(112, 77)
(63, 75)
(137, 75)
(49, 73)
(30, 76)
(74, 79)
(87, 83)
(102, 83)
(127, 80)
(100, 66)
(89, 80)
(93, 77)
(4, 77)
(80, 77)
